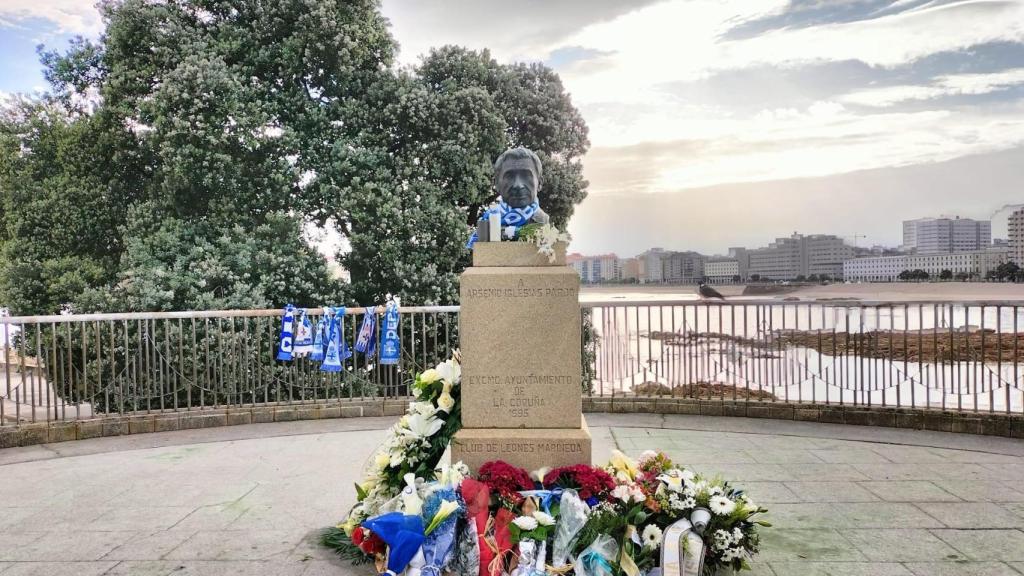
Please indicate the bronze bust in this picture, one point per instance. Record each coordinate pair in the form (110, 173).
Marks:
(517, 178)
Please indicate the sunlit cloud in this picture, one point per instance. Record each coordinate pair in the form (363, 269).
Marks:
(67, 16)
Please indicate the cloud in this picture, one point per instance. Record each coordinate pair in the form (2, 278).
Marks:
(524, 30)
(68, 16)
(949, 85)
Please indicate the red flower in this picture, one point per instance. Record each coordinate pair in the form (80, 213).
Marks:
(505, 479)
(587, 480)
(368, 542)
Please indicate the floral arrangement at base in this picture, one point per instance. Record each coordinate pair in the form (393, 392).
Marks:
(418, 519)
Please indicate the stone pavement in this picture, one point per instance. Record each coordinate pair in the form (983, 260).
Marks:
(252, 499)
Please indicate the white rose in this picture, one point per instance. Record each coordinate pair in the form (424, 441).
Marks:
(430, 376)
(543, 518)
(525, 523)
(621, 492)
(445, 402)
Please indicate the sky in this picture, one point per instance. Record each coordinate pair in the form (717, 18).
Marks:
(718, 123)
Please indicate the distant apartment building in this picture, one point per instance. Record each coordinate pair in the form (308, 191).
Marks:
(595, 269)
(631, 269)
(977, 263)
(819, 255)
(1015, 229)
(721, 270)
(683, 267)
(952, 234)
(651, 264)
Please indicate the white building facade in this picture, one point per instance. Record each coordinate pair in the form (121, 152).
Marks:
(721, 270)
(953, 234)
(1015, 231)
(975, 264)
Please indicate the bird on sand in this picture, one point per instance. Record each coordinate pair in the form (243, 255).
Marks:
(708, 292)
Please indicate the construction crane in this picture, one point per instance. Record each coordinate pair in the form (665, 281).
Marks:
(855, 238)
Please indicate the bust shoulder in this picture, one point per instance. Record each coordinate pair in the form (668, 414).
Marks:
(540, 217)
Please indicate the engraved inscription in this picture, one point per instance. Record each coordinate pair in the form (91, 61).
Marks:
(520, 290)
(522, 447)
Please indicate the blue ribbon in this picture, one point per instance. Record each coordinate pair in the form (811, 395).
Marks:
(517, 217)
(391, 347)
(545, 496)
(287, 342)
(592, 560)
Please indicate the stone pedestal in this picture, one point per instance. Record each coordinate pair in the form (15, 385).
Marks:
(519, 328)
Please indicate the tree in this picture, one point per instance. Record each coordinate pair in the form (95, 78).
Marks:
(946, 274)
(962, 276)
(218, 124)
(409, 193)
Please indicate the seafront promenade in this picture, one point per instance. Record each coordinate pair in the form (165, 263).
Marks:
(252, 499)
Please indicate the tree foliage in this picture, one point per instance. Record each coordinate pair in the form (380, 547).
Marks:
(177, 159)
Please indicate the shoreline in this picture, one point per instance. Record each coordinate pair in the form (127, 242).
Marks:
(882, 291)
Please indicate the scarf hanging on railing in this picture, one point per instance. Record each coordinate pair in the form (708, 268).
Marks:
(287, 341)
(366, 343)
(337, 349)
(303, 335)
(317, 354)
(514, 217)
(391, 348)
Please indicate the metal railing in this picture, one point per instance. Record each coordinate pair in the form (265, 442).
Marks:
(962, 356)
(70, 367)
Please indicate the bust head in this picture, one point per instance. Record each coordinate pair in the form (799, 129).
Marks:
(517, 174)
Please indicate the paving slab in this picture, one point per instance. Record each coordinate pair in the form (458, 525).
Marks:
(252, 499)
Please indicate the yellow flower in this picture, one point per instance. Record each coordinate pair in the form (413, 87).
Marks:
(429, 376)
(349, 526)
(381, 460)
(624, 465)
(447, 388)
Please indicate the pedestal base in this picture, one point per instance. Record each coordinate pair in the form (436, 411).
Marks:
(529, 449)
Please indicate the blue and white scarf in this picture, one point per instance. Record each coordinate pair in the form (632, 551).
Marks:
(287, 341)
(391, 348)
(303, 336)
(337, 348)
(317, 354)
(366, 343)
(514, 217)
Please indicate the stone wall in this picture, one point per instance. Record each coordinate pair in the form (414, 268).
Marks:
(964, 422)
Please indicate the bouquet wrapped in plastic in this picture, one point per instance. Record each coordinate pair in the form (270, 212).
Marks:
(572, 517)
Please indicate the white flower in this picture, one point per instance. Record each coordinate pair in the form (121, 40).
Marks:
(423, 408)
(450, 371)
(722, 539)
(671, 482)
(721, 505)
(540, 473)
(396, 459)
(731, 554)
(445, 402)
(637, 494)
(422, 426)
(648, 455)
(651, 536)
(678, 503)
(748, 504)
(621, 492)
(430, 376)
(543, 518)
(525, 523)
